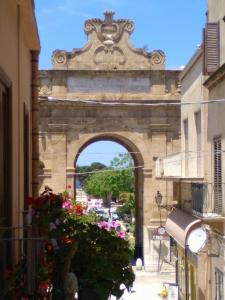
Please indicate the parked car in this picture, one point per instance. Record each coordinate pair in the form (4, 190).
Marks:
(92, 210)
(115, 216)
(102, 214)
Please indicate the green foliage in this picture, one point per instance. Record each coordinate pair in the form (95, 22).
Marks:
(123, 160)
(112, 182)
(95, 166)
(102, 263)
(73, 242)
(128, 205)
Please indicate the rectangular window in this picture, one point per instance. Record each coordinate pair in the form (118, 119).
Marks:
(219, 294)
(218, 205)
(186, 146)
(198, 142)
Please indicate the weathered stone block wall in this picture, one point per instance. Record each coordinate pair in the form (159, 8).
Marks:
(111, 91)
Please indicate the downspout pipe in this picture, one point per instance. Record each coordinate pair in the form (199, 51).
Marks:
(31, 247)
(35, 122)
(186, 274)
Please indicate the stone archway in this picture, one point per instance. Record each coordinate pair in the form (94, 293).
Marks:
(110, 90)
(138, 172)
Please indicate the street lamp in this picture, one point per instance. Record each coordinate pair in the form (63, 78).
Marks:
(158, 198)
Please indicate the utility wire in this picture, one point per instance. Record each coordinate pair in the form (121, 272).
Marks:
(134, 152)
(96, 171)
(113, 103)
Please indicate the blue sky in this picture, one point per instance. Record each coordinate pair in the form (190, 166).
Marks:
(102, 151)
(174, 26)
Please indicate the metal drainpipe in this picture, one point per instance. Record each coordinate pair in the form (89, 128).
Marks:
(32, 248)
(35, 123)
(186, 274)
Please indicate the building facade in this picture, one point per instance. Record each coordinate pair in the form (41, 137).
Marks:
(215, 84)
(109, 90)
(18, 96)
(198, 170)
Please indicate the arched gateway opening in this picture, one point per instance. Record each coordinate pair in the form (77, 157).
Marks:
(138, 181)
(109, 90)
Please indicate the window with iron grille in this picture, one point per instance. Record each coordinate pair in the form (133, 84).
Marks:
(218, 204)
(218, 285)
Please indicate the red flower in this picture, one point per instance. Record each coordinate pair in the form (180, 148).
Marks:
(78, 209)
(69, 186)
(28, 201)
(66, 240)
(43, 285)
(49, 247)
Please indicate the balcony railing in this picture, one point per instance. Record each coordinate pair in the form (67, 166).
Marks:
(197, 198)
(19, 244)
(203, 201)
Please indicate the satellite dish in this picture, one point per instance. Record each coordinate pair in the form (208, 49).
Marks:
(196, 240)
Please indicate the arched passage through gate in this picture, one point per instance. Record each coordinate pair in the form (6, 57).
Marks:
(138, 177)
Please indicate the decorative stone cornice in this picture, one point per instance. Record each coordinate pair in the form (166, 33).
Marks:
(108, 48)
(215, 78)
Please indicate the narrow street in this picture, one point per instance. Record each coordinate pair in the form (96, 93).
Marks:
(147, 285)
(112, 150)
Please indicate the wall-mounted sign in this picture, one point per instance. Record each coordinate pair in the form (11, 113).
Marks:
(160, 234)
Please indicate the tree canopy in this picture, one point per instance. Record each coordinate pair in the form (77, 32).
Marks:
(119, 178)
(95, 166)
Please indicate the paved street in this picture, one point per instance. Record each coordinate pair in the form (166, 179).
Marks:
(147, 285)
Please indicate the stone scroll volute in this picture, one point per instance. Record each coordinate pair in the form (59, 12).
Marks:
(108, 47)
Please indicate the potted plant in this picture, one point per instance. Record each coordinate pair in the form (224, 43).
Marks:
(74, 242)
(102, 263)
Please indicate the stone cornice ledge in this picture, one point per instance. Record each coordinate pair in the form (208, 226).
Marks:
(215, 78)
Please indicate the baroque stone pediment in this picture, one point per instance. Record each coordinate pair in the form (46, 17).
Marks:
(108, 47)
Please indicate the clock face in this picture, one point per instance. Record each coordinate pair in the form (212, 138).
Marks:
(161, 230)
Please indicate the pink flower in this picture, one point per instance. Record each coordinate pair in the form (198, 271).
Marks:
(121, 234)
(103, 225)
(66, 204)
(114, 224)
